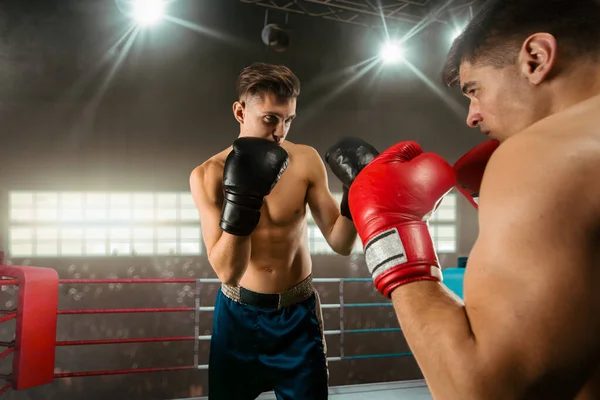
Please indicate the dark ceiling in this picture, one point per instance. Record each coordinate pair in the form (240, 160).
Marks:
(372, 13)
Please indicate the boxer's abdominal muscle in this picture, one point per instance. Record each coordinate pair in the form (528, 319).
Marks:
(280, 257)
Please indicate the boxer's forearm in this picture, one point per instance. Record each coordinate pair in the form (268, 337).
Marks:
(342, 236)
(229, 257)
(438, 332)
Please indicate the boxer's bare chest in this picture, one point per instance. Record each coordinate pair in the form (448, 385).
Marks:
(286, 204)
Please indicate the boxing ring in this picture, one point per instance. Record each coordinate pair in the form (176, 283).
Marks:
(37, 315)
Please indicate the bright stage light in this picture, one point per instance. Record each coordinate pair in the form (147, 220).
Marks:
(392, 52)
(148, 12)
(456, 33)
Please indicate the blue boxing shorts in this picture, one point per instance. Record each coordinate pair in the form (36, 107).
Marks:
(263, 342)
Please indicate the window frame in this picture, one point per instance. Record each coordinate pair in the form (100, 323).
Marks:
(181, 218)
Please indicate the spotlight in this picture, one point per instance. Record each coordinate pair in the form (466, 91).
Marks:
(456, 33)
(392, 52)
(147, 12)
(275, 38)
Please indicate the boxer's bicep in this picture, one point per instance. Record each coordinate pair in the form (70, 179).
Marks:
(207, 195)
(323, 207)
(527, 285)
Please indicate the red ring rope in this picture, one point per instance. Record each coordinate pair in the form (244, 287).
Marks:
(7, 352)
(8, 317)
(120, 372)
(125, 310)
(103, 281)
(118, 341)
(5, 388)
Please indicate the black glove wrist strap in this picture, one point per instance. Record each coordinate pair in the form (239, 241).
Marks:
(237, 219)
(344, 206)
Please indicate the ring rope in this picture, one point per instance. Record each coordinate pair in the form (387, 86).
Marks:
(121, 341)
(12, 314)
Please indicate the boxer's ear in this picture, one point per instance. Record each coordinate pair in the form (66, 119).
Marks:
(238, 111)
(538, 57)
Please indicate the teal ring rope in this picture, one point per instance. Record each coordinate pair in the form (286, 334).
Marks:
(341, 332)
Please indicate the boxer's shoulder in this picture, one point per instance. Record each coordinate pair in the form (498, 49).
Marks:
(297, 150)
(208, 176)
(547, 164)
(304, 158)
(213, 167)
(549, 155)
(573, 134)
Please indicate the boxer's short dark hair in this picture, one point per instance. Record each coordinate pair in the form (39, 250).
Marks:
(495, 35)
(261, 78)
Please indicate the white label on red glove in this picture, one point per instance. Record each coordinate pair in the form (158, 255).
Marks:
(384, 251)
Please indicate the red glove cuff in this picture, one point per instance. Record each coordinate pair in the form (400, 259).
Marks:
(471, 196)
(401, 255)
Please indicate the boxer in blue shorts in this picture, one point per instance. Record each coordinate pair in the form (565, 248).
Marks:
(252, 198)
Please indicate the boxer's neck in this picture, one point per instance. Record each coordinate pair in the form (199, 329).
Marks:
(578, 83)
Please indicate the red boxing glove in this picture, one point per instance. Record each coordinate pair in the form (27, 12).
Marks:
(391, 200)
(470, 167)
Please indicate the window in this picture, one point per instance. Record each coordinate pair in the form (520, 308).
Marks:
(442, 226)
(70, 224)
(318, 245)
(316, 241)
(53, 224)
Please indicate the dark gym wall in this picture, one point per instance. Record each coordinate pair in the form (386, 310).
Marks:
(168, 108)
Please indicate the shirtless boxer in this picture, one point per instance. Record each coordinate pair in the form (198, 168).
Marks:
(267, 332)
(529, 327)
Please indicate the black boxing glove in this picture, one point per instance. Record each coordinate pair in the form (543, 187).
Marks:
(251, 171)
(346, 159)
